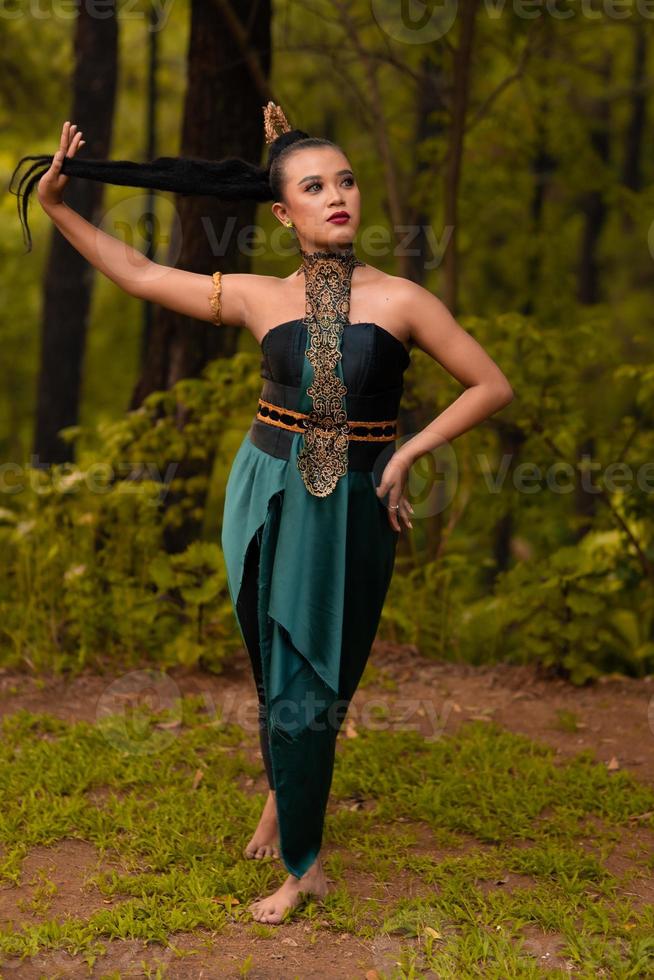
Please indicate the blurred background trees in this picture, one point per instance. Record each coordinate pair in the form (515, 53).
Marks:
(503, 165)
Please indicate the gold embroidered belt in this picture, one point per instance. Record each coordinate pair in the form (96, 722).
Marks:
(372, 423)
(287, 418)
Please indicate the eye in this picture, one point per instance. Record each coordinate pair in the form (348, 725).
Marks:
(317, 183)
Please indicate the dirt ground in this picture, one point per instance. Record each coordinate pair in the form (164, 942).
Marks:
(614, 720)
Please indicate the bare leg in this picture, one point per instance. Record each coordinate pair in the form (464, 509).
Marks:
(265, 841)
(272, 908)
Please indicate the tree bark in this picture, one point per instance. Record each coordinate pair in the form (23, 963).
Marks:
(460, 98)
(69, 277)
(593, 202)
(228, 56)
(223, 117)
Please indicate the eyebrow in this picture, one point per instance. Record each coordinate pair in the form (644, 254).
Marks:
(318, 176)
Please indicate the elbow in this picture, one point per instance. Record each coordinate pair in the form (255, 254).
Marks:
(143, 282)
(505, 395)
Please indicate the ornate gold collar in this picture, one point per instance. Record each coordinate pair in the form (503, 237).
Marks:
(323, 458)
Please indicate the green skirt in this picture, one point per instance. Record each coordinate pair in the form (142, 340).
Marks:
(325, 567)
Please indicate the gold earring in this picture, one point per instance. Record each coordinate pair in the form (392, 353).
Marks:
(289, 224)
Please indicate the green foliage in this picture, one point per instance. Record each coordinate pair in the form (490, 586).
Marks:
(575, 590)
(567, 611)
(86, 573)
(503, 569)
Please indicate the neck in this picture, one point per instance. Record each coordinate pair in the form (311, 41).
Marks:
(345, 255)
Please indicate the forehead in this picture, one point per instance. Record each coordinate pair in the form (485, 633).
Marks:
(324, 160)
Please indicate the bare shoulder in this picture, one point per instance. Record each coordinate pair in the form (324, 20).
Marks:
(394, 291)
(406, 289)
(392, 297)
(271, 300)
(435, 331)
(261, 292)
(422, 313)
(375, 297)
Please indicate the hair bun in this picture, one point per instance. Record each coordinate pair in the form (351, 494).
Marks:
(285, 139)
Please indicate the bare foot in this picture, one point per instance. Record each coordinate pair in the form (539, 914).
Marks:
(271, 909)
(265, 842)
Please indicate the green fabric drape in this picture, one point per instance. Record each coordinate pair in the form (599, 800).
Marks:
(325, 567)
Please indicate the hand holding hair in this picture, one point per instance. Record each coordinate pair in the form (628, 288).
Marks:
(52, 183)
(228, 179)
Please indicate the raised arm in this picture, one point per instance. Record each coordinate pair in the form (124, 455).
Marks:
(219, 298)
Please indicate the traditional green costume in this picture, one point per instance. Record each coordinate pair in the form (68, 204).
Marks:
(302, 486)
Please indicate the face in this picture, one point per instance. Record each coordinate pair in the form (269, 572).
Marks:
(318, 184)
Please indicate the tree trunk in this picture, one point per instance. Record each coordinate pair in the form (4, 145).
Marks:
(460, 95)
(593, 203)
(69, 277)
(632, 176)
(228, 63)
(588, 291)
(223, 117)
(430, 108)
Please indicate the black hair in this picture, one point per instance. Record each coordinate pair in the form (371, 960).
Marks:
(230, 179)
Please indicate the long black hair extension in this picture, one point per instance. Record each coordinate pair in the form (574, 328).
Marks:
(230, 179)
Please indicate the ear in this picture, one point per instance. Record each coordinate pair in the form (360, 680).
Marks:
(278, 210)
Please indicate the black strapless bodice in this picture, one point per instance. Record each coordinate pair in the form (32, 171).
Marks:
(373, 363)
(373, 360)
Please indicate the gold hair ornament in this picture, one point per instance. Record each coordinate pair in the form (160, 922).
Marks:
(274, 121)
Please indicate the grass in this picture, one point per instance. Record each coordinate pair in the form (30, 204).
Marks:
(462, 817)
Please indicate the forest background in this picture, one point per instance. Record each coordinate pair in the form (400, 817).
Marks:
(502, 155)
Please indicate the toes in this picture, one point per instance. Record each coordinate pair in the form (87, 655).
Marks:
(256, 852)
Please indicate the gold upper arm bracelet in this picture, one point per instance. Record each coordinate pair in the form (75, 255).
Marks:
(214, 299)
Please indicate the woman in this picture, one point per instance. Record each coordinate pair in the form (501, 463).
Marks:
(309, 545)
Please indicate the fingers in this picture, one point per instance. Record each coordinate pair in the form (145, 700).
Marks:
(58, 157)
(407, 510)
(71, 139)
(392, 483)
(399, 508)
(76, 142)
(70, 142)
